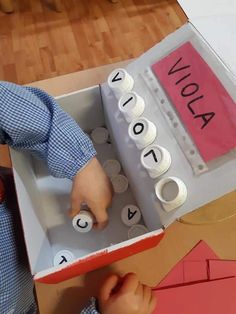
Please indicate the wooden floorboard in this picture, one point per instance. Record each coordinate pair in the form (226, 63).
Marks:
(38, 43)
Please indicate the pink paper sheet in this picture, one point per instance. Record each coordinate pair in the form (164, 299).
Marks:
(221, 269)
(211, 297)
(200, 253)
(204, 106)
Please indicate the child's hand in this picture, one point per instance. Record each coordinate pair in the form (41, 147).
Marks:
(126, 296)
(92, 186)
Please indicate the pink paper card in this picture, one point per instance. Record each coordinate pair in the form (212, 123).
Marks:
(221, 269)
(210, 297)
(195, 271)
(205, 107)
(201, 252)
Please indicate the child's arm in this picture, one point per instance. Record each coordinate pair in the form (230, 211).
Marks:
(31, 120)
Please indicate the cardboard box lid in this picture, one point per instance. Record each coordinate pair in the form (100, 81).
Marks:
(216, 22)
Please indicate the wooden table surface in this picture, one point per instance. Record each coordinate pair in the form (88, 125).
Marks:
(8, 5)
(210, 223)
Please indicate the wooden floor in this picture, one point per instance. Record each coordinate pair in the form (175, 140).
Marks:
(38, 43)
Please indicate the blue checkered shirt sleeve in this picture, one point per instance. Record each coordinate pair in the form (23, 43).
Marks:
(32, 120)
(90, 308)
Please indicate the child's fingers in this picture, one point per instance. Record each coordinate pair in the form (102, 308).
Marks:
(130, 283)
(147, 295)
(139, 290)
(100, 214)
(76, 202)
(108, 286)
(153, 302)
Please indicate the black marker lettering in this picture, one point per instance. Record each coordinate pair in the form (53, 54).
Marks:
(206, 117)
(189, 89)
(153, 154)
(173, 70)
(64, 260)
(138, 128)
(192, 101)
(191, 92)
(183, 78)
(82, 226)
(127, 101)
(116, 78)
(131, 214)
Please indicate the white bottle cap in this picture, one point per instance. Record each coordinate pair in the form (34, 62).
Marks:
(172, 193)
(62, 257)
(131, 105)
(120, 81)
(100, 135)
(136, 231)
(156, 160)
(112, 167)
(142, 131)
(120, 183)
(130, 215)
(83, 222)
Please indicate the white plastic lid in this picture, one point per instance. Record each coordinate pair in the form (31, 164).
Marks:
(120, 81)
(112, 167)
(130, 215)
(120, 183)
(172, 193)
(83, 222)
(131, 105)
(100, 135)
(142, 131)
(156, 160)
(136, 231)
(62, 257)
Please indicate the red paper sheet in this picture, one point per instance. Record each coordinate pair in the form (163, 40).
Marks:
(203, 104)
(221, 269)
(200, 253)
(211, 297)
(195, 271)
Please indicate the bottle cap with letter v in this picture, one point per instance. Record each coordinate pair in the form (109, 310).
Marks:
(120, 81)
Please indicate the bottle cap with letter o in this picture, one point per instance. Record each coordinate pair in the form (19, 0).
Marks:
(131, 105)
(83, 222)
(156, 160)
(142, 131)
(120, 81)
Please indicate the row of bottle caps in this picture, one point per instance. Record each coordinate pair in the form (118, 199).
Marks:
(154, 158)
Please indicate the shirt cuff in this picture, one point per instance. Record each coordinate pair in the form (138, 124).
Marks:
(91, 308)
